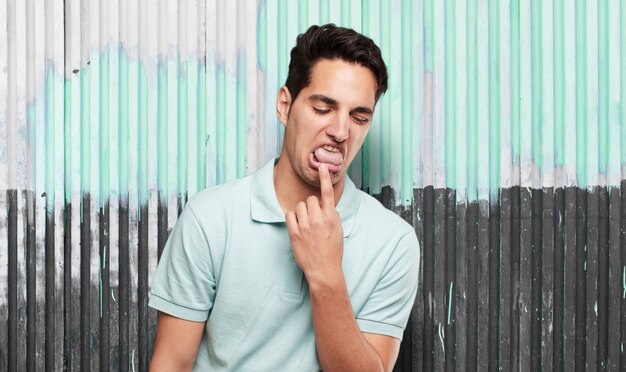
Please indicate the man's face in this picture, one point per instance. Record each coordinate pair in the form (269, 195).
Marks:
(328, 121)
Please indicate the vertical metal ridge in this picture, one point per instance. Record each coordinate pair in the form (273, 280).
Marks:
(592, 275)
(50, 290)
(124, 286)
(558, 237)
(105, 289)
(85, 283)
(570, 280)
(450, 228)
(428, 277)
(494, 284)
(123, 261)
(418, 313)
(31, 271)
(514, 289)
(622, 249)
(49, 331)
(514, 21)
(546, 288)
(536, 263)
(182, 104)
(536, 53)
(450, 90)
(483, 285)
(506, 283)
(162, 128)
(460, 286)
(581, 280)
(12, 319)
(142, 206)
(581, 93)
(603, 90)
(67, 286)
(471, 285)
(440, 288)
(104, 190)
(471, 141)
(603, 250)
(615, 280)
(142, 289)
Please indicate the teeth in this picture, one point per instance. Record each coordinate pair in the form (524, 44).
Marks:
(330, 148)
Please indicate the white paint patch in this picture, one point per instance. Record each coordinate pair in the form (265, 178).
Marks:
(441, 337)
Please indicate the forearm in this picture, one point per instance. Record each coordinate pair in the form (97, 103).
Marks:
(340, 344)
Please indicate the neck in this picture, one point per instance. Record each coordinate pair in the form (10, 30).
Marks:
(291, 189)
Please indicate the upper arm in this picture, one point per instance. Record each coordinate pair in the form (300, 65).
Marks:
(387, 309)
(386, 347)
(177, 343)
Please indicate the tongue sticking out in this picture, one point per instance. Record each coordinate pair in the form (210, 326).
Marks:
(329, 157)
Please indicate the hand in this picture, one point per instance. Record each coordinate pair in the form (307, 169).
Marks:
(316, 233)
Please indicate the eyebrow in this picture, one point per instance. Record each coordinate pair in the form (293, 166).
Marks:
(333, 102)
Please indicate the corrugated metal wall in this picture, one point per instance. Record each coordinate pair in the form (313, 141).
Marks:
(502, 139)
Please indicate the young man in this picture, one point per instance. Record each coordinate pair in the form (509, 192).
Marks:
(293, 268)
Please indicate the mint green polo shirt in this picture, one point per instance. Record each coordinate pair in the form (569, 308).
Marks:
(228, 262)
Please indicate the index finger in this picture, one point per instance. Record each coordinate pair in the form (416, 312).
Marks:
(326, 188)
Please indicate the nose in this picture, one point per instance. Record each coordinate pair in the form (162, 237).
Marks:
(339, 129)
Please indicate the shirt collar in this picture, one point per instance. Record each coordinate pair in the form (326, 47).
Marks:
(264, 206)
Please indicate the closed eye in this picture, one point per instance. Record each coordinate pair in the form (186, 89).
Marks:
(360, 120)
(320, 111)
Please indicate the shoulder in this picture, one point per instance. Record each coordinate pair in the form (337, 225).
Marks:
(213, 206)
(220, 196)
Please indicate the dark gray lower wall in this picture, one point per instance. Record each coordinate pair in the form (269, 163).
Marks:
(533, 280)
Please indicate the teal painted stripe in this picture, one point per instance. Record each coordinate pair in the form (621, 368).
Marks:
(67, 140)
(230, 124)
(281, 34)
(303, 15)
(407, 101)
(346, 13)
(142, 137)
(429, 36)
(49, 139)
(387, 123)
(536, 73)
(242, 118)
(183, 122)
(123, 124)
(581, 93)
(622, 29)
(261, 38)
(103, 138)
(472, 105)
(220, 143)
(494, 98)
(283, 55)
(559, 84)
(162, 126)
(450, 92)
(365, 150)
(85, 132)
(201, 128)
(603, 86)
(324, 11)
(515, 80)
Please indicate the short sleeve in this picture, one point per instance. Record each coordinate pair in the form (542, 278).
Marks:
(184, 285)
(387, 309)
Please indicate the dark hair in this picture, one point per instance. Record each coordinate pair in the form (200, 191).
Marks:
(332, 42)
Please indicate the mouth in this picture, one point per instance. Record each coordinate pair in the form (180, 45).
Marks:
(330, 155)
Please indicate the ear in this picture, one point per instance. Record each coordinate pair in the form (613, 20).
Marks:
(283, 104)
